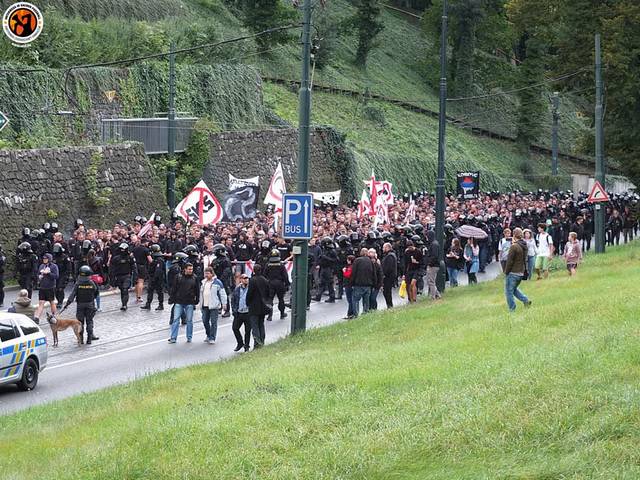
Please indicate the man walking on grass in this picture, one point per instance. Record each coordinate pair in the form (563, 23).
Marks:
(515, 270)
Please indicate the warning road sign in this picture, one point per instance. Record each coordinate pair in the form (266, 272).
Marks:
(3, 121)
(598, 194)
(200, 206)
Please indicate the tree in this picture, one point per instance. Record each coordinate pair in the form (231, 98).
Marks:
(532, 107)
(260, 15)
(466, 15)
(367, 24)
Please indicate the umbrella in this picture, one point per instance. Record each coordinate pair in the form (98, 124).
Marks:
(467, 231)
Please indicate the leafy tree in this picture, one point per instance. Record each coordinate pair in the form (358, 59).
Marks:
(532, 107)
(261, 15)
(467, 14)
(367, 24)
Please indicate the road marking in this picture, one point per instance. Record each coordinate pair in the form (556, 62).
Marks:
(122, 350)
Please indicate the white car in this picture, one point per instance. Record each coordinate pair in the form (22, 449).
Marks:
(23, 350)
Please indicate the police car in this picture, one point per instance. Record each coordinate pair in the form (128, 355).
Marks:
(23, 350)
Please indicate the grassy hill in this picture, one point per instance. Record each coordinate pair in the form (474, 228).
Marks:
(84, 32)
(461, 389)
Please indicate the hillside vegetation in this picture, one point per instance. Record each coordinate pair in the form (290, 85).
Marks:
(460, 389)
(398, 67)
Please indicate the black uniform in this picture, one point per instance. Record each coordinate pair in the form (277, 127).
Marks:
(156, 280)
(122, 267)
(328, 262)
(85, 291)
(64, 270)
(26, 268)
(276, 274)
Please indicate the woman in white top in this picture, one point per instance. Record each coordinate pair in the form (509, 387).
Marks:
(532, 250)
(503, 247)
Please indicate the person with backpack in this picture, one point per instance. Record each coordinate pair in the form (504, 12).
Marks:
(545, 248)
(515, 270)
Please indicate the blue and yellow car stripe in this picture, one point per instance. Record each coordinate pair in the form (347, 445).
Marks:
(18, 353)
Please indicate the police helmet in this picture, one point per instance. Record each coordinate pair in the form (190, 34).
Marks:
(143, 219)
(219, 249)
(155, 248)
(77, 223)
(342, 239)
(386, 235)
(180, 256)
(138, 219)
(58, 248)
(46, 226)
(123, 246)
(416, 238)
(190, 250)
(274, 253)
(85, 271)
(265, 244)
(86, 245)
(54, 227)
(418, 228)
(25, 247)
(157, 220)
(122, 223)
(355, 237)
(371, 235)
(26, 232)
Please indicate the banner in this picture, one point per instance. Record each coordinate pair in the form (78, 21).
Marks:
(288, 265)
(277, 188)
(468, 184)
(236, 183)
(382, 214)
(147, 226)
(200, 206)
(385, 192)
(372, 183)
(364, 207)
(381, 191)
(241, 204)
(331, 198)
(411, 211)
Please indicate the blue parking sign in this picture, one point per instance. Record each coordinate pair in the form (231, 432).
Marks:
(297, 215)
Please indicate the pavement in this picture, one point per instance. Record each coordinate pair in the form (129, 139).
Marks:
(133, 344)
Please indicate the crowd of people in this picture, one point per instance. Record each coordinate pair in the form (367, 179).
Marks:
(240, 269)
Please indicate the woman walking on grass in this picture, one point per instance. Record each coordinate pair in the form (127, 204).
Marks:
(531, 252)
(472, 256)
(572, 253)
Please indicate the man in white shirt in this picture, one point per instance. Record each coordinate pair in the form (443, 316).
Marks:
(213, 298)
(545, 251)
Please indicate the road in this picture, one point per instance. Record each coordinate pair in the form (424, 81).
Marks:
(134, 344)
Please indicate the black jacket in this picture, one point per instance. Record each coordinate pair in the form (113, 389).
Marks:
(258, 296)
(363, 273)
(185, 290)
(390, 266)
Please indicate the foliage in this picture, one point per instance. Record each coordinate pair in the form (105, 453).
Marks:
(367, 24)
(190, 167)
(531, 106)
(327, 30)
(468, 14)
(344, 162)
(123, 9)
(97, 197)
(260, 15)
(459, 389)
(52, 214)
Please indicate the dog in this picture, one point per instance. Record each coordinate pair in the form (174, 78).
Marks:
(59, 324)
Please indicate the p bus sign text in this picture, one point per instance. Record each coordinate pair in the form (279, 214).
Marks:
(297, 216)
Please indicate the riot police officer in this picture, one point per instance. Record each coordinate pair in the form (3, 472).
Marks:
(344, 250)
(61, 259)
(85, 292)
(180, 259)
(262, 257)
(26, 267)
(328, 262)
(224, 271)
(278, 278)
(195, 260)
(156, 278)
(122, 267)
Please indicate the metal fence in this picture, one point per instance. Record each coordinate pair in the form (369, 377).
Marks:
(152, 132)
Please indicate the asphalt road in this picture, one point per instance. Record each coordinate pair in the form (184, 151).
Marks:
(134, 344)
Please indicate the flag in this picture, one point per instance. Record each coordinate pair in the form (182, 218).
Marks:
(382, 214)
(372, 183)
(235, 183)
(385, 192)
(331, 198)
(241, 204)
(277, 188)
(200, 206)
(147, 226)
(411, 211)
(364, 207)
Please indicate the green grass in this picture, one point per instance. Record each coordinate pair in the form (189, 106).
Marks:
(405, 149)
(457, 390)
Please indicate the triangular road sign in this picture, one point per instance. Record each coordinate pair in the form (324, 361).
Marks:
(598, 194)
(3, 121)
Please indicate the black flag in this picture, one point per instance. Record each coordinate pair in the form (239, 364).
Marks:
(241, 204)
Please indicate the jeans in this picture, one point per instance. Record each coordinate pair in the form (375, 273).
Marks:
(432, 274)
(531, 265)
(178, 308)
(511, 289)
(240, 319)
(257, 328)
(364, 294)
(373, 298)
(210, 322)
(349, 293)
(453, 276)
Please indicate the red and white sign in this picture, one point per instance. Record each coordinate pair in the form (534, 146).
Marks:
(277, 188)
(598, 194)
(201, 206)
(147, 226)
(364, 207)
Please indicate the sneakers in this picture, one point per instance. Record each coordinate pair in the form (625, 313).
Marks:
(172, 340)
(123, 308)
(146, 307)
(226, 314)
(330, 301)
(206, 340)
(283, 315)
(528, 304)
(159, 307)
(188, 340)
(238, 348)
(211, 341)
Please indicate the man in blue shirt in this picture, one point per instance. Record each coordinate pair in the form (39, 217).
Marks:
(241, 314)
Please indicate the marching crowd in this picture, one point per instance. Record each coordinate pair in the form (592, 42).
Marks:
(240, 269)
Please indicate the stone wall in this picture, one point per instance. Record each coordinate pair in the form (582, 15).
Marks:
(247, 154)
(38, 185)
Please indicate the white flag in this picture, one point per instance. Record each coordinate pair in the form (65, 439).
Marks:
(364, 207)
(382, 214)
(200, 206)
(235, 183)
(277, 188)
(411, 211)
(147, 226)
(332, 198)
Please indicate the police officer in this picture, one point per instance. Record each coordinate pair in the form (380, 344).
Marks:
(121, 268)
(26, 267)
(328, 262)
(344, 250)
(156, 278)
(276, 273)
(262, 257)
(180, 259)
(224, 271)
(3, 261)
(61, 259)
(196, 261)
(85, 292)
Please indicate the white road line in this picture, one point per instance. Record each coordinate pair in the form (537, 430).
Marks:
(122, 350)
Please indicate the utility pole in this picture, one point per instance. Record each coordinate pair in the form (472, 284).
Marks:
(171, 132)
(555, 102)
(300, 260)
(600, 167)
(440, 180)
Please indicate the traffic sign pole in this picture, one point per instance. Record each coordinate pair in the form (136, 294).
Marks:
(301, 247)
